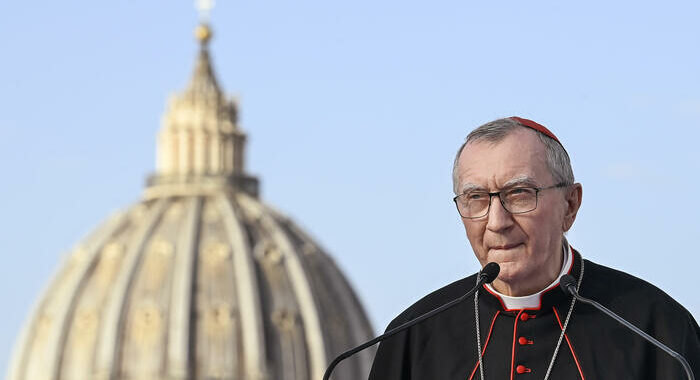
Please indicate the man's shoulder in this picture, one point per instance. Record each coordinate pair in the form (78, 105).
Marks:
(435, 299)
(620, 289)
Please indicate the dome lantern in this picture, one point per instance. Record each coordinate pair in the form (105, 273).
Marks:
(200, 146)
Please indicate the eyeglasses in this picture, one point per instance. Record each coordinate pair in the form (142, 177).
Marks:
(516, 200)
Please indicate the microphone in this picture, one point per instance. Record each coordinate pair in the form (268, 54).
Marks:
(568, 285)
(486, 276)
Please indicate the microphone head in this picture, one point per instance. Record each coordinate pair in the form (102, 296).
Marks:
(489, 272)
(567, 283)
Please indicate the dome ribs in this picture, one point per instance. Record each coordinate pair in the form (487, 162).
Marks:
(78, 349)
(301, 287)
(199, 286)
(347, 329)
(252, 328)
(179, 357)
(216, 326)
(112, 327)
(27, 363)
(146, 322)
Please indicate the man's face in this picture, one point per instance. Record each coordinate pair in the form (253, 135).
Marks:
(526, 246)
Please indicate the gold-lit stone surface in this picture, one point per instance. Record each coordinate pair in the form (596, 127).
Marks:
(157, 262)
(138, 212)
(284, 319)
(44, 327)
(86, 323)
(215, 254)
(211, 214)
(273, 255)
(146, 324)
(175, 211)
(108, 262)
(218, 319)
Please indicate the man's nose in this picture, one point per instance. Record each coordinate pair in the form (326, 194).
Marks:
(498, 217)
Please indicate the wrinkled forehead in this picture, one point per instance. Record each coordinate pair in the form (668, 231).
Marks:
(521, 180)
(518, 159)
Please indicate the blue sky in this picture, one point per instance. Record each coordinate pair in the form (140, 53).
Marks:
(354, 111)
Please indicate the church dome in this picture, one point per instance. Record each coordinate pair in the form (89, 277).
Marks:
(200, 279)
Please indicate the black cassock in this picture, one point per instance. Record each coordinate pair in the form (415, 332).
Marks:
(519, 344)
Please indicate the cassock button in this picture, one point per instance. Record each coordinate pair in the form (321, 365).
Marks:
(522, 369)
(522, 340)
(524, 317)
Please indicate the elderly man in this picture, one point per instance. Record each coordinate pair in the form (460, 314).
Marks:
(517, 197)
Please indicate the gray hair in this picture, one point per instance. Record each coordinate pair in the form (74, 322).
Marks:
(495, 131)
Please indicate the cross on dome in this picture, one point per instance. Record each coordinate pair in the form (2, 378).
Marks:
(204, 7)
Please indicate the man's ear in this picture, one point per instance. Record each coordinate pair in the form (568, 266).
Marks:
(573, 197)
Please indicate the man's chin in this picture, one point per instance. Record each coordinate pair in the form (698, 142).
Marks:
(507, 257)
(510, 273)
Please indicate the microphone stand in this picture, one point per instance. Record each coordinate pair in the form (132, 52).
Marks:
(483, 278)
(571, 288)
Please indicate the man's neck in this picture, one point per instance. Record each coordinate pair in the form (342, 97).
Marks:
(540, 281)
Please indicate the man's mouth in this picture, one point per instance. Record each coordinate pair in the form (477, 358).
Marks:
(505, 246)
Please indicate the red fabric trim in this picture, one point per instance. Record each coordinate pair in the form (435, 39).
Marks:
(512, 355)
(573, 258)
(497, 297)
(483, 350)
(578, 365)
(536, 126)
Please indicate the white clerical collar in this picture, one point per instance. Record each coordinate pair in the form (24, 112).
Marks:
(533, 300)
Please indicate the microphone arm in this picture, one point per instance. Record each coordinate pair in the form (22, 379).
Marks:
(485, 276)
(569, 285)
